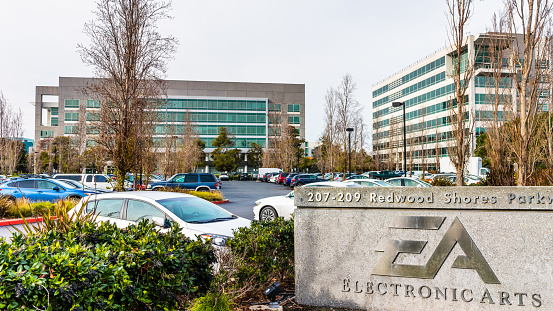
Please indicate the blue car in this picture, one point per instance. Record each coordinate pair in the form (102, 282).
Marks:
(42, 189)
(190, 181)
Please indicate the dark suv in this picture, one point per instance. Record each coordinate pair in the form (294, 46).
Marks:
(190, 181)
(303, 179)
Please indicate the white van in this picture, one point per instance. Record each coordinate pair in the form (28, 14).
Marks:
(95, 181)
(265, 170)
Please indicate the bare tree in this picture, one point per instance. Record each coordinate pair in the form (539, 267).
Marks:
(530, 17)
(129, 57)
(330, 136)
(348, 109)
(462, 72)
(11, 128)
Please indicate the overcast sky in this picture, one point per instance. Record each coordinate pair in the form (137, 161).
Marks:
(314, 42)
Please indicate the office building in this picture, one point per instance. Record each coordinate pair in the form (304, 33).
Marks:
(426, 88)
(243, 108)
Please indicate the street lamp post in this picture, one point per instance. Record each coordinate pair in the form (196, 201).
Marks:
(349, 130)
(397, 104)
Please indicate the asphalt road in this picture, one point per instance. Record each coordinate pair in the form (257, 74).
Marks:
(243, 194)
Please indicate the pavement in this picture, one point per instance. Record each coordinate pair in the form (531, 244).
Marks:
(243, 194)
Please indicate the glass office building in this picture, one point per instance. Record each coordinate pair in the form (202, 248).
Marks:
(242, 108)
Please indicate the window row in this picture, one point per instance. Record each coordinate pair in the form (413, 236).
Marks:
(411, 76)
(216, 104)
(71, 103)
(239, 130)
(217, 117)
(488, 99)
(440, 77)
(481, 81)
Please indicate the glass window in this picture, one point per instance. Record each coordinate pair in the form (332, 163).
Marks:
(411, 183)
(106, 208)
(191, 209)
(191, 178)
(54, 111)
(71, 103)
(100, 178)
(44, 184)
(25, 184)
(207, 178)
(89, 178)
(179, 178)
(138, 210)
(395, 182)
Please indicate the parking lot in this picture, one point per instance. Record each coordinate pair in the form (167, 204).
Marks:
(243, 194)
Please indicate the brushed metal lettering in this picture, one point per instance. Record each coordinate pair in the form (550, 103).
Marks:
(417, 222)
(456, 234)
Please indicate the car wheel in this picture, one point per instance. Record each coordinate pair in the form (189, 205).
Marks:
(268, 213)
(203, 189)
(299, 184)
(74, 197)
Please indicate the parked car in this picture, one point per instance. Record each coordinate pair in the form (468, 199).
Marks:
(96, 181)
(469, 179)
(42, 189)
(244, 176)
(304, 179)
(196, 216)
(282, 177)
(340, 177)
(288, 179)
(79, 185)
(223, 176)
(407, 182)
(283, 206)
(365, 182)
(440, 175)
(191, 181)
(384, 175)
(357, 177)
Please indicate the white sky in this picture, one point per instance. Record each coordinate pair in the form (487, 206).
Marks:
(314, 42)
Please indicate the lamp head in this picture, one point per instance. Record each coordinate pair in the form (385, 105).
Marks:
(397, 104)
(349, 129)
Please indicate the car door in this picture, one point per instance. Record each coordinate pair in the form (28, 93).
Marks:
(25, 188)
(137, 211)
(396, 182)
(190, 182)
(49, 191)
(109, 210)
(176, 181)
(411, 183)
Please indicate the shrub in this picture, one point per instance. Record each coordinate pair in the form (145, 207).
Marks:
(257, 255)
(213, 302)
(101, 267)
(213, 195)
(440, 181)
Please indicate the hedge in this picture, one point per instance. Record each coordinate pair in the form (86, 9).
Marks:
(101, 267)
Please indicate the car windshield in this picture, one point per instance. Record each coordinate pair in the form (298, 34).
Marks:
(75, 184)
(424, 183)
(65, 185)
(195, 210)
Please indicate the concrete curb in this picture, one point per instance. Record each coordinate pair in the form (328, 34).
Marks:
(11, 222)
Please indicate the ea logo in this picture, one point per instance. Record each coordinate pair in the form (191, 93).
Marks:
(456, 234)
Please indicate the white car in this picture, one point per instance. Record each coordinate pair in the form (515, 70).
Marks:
(196, 216)
(283, 206)
(370, 182)
(407, 182)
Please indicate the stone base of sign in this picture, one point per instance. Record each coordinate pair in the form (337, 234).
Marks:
(427, 255)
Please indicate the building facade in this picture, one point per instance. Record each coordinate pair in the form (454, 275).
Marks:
(243, 108)
(427, 90)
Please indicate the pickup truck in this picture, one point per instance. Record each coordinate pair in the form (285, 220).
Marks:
(383, 175)
(190, 181)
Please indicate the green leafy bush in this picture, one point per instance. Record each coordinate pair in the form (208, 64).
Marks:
(213, 302)
(101, 267)
(257, 255)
